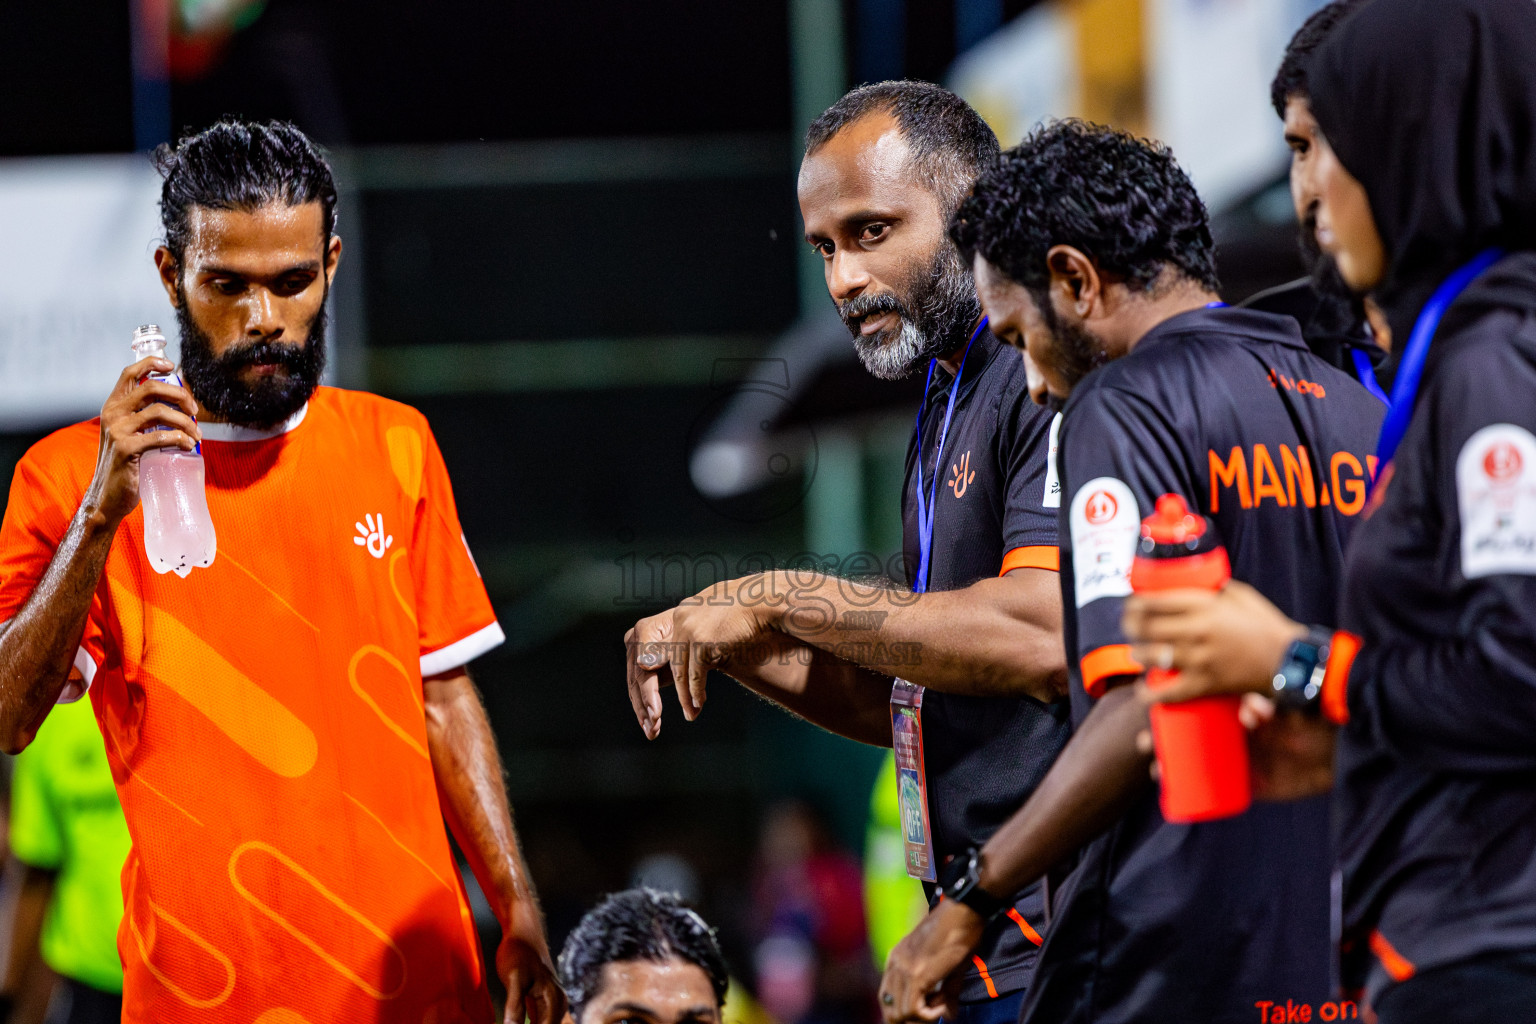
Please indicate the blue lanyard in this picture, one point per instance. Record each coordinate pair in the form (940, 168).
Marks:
(1365, 371)
(1405, 389)
(926, 506)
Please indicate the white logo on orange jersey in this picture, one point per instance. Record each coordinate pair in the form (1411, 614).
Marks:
(373, 535)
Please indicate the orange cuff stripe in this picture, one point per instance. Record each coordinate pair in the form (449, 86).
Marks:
(1029, 933)
(1341, 658)
(1042, 556)
(1106, 663)
(981, 965)
(1396, 965)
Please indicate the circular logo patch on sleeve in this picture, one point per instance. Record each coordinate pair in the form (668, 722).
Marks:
(1496, 492)
(1105, 527)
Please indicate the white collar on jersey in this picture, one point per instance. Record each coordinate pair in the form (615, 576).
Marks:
(230, 432)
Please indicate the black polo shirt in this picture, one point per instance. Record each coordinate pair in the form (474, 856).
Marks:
(1228, 409)
(995, 511)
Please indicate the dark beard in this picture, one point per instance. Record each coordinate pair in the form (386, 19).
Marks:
(215, 380)
(1075, 350)
(937, 313)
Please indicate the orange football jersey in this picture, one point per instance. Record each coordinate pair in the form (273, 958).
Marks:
(264, 720)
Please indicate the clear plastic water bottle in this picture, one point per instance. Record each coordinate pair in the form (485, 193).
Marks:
(178, 533)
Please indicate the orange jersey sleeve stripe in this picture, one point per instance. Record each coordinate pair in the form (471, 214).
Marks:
(1104, 664)
(981, 965)
(1024, 926)
(1396, 965)
(1341, 658)
(1039, 556)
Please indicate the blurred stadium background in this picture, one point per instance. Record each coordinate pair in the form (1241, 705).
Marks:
(572, 241)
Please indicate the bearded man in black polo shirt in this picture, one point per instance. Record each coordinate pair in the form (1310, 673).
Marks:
(979, 624)
(1093, 253)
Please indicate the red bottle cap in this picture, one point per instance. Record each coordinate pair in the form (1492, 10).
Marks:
(1172, 523)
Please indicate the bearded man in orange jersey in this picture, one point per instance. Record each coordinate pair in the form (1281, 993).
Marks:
(288, 727)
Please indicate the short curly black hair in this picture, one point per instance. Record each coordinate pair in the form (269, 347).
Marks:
(241, 165)
(637, 924)
(1291, 79)
(1122, 201)
(949, 141)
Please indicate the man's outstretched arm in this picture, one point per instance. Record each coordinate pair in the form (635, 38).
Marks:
(473, 791)
(37, 645)
(1097, 775)
(821, 688)
(997, 637)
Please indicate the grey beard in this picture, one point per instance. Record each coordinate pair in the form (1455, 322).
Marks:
(897, 358)
(946, 308)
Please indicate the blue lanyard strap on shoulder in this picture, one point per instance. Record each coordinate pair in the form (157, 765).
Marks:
(1405, 389)
(926, 503)
(1365, 372)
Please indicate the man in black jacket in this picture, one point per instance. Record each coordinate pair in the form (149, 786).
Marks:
(1092, 253)
(1427, 199)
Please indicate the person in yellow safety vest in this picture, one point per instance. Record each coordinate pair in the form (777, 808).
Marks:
(68, 842)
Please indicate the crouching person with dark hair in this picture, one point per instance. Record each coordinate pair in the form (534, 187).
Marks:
(642, 956)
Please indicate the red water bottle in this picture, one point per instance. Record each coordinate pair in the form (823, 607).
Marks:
(1202, 748)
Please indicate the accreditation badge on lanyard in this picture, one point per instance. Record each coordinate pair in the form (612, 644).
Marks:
(907, 698)
(911, 780)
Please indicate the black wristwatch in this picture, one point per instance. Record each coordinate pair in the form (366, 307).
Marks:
(961, 882)
(1298, 682)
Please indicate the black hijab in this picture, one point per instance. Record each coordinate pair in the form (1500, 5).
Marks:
(1431, 105)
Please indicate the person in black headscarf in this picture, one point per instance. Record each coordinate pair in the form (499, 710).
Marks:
(1426, 193)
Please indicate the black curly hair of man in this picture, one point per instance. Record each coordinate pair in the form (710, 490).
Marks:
(1122, 201)
(637, 924)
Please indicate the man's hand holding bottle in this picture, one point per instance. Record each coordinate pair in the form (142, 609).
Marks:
(1230, 641)
(140, 415)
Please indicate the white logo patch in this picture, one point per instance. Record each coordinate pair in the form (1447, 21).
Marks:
(1052, 497)
(372, 536)
(1496, 489)
(1105, 528)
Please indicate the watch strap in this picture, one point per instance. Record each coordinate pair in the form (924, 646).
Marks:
(983, 902)
(1298, 681)
(963, 885)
